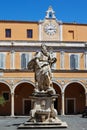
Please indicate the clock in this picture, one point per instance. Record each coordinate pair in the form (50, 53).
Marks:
(50, 29)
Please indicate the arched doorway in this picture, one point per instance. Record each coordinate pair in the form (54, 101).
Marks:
(21, 100)
(74, 98)
(5, 98)
(57, 103)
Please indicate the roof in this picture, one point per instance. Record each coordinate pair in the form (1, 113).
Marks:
(37, 22)
(74, 23)
(14, 21)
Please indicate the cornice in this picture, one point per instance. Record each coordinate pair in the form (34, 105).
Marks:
(30, 71)
(14, 21)
(28, 46)
(38, 43)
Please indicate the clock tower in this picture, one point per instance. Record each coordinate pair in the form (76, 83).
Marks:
(50, 29)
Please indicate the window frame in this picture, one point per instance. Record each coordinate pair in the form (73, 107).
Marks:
(78, 67)
(4, 60)
(7, 33)
(29, 33)
(29, 58)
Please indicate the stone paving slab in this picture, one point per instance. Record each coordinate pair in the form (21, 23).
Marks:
(75, 122)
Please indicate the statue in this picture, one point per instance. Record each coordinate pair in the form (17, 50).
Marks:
(41, 64)
(43, 114)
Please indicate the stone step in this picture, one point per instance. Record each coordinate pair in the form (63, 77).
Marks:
(42, 125)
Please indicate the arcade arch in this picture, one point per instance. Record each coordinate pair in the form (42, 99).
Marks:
(22, 103)
(5, 92)
(74, 81)
(74, 94)
(23, 81)
(71, 99)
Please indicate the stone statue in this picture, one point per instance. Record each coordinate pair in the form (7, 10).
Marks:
(43, 114)
(41, 64)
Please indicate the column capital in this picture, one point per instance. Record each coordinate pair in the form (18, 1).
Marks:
(12, 92)
(85, 52)
(12, 51)
(62, 93)
(62, 52)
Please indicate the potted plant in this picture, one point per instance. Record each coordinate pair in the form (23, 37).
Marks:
(2, 101)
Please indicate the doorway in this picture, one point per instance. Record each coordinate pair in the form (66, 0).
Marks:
(26, 106)
(70, 106)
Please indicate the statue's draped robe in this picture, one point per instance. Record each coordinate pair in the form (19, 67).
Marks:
(43, 71)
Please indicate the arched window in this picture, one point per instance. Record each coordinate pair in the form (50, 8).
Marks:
(50, 15)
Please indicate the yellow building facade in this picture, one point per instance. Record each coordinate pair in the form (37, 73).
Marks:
(19, 40)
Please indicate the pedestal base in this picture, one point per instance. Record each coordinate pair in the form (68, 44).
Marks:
(43, 114)
(29, 125)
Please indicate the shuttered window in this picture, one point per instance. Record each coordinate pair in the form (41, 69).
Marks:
(25, 58)
(2, 61)
(74, 61)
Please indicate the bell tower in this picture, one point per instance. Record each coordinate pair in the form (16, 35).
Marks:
(50, 13)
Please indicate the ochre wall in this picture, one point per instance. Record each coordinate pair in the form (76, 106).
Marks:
(18, 30)
(7, 63)
(70, 32)
(17, 60)
(17, 65)
(80, 32)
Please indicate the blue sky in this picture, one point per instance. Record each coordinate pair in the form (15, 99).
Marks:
(34, 10)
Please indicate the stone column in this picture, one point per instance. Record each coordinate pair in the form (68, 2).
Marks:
(12, 104)
(62, 59)
(63, 104)
(86, 99)
(12, 59)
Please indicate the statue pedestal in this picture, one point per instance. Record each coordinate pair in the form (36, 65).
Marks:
(43, 114)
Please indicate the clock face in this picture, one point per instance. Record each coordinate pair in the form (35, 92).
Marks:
(50, 29)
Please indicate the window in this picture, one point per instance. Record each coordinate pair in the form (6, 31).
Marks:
(2, 61)
(29, 33)
(74, 61)
(25, 58)
(8, 33)
(6, 96)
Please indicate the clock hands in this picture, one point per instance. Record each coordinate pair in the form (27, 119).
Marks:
(50, 29)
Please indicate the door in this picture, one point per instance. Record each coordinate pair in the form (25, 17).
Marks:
(27, 106)
(70, 106)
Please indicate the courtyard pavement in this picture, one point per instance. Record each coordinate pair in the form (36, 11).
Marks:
(75, 122)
